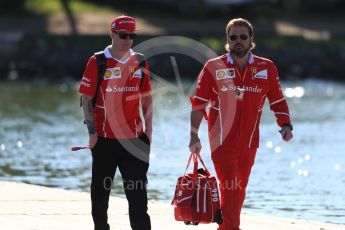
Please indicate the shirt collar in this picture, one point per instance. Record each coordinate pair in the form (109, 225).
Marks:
(108, 54)
(231, 61)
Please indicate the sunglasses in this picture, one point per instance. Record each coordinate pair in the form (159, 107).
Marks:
(243, 37)
(125, 36)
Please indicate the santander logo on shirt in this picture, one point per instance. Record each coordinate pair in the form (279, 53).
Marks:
(231, 87)
(121, 89)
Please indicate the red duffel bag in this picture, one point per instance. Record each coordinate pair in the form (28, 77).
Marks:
(196, 198)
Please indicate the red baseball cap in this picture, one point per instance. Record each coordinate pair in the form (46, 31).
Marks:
(123, 23)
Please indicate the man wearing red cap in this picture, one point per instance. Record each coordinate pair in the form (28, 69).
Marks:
(235, 86)
(117, 137)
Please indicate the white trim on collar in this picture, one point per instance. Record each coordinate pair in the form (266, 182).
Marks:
(108, 55)
(229, 58)
(251, 58)
(231, 61)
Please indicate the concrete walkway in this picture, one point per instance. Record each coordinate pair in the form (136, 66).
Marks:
(31, 207)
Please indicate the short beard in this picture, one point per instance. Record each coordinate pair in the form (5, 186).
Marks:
(240, 53)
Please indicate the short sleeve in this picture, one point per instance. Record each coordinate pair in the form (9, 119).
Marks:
(88, 83)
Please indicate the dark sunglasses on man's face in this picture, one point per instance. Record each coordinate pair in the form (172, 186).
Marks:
(243, 37)
(125, 36)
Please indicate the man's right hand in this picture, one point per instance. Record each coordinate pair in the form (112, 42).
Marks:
(194, 143)
(93, 138)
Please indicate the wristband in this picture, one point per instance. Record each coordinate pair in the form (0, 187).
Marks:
(194, 130)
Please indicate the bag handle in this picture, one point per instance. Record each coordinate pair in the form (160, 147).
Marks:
(195, 158)
(195, 161)
(203, 164)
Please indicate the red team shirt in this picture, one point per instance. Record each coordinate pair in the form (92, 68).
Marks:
(116, 114)
(235, 121)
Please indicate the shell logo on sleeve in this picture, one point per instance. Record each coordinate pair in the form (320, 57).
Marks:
(220, 74)
(107, 74)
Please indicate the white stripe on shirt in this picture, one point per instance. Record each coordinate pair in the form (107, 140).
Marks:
(282, 113)
(200, 98)
(275, 102)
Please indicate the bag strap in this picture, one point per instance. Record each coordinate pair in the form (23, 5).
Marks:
(141, 59)
(195, 161)
(203, 164)
(101, 61)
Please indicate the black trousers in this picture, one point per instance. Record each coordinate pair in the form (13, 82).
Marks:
(131, 157)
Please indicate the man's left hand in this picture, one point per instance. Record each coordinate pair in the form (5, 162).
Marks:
(286, 133)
